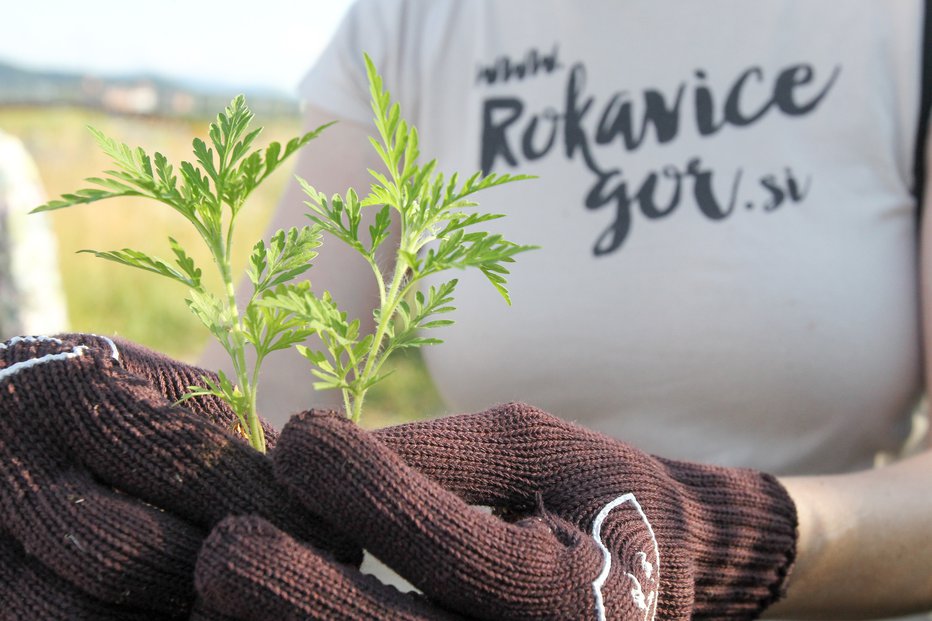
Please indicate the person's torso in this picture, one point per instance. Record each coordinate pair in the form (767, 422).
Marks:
(727, 269)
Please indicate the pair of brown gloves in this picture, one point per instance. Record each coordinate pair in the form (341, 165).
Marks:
(117, 504)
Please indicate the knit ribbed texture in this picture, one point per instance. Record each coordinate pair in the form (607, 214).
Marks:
(107, 485)
(252, 571)
(681, 540)
(173, 380)
(31, 591)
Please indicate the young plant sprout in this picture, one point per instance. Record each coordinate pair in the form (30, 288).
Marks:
(437, 234)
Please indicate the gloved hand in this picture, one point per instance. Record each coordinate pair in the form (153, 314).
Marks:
(107, 489)
(596, 528)
(249, 570)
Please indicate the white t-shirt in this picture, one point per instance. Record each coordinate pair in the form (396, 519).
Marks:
(728, 269)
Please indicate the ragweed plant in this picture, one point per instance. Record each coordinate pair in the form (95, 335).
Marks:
(437, 234)
(210, 193)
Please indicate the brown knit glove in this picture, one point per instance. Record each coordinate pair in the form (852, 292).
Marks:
(252, 571)
(596, 529)
(107, 489)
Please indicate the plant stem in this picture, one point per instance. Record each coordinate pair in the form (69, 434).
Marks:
(254, 431)
(347, 404)
(386, 315)
(378, 278)
(256, 435)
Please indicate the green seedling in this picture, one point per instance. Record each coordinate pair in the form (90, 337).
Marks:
(437, 228)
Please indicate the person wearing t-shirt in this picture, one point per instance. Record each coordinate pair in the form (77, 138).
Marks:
(730, 256)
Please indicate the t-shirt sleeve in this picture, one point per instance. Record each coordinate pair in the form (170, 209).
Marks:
(337, 81)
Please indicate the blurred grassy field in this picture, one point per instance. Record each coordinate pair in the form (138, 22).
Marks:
(107, 298)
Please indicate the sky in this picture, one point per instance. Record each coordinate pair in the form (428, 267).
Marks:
(264, 43)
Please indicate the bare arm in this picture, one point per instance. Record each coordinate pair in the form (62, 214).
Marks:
(865, 539)
(333, 162)
(865, 544)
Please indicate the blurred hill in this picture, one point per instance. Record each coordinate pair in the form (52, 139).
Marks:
(136, 95)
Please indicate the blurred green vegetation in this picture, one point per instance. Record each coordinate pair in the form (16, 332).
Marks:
(106, 298)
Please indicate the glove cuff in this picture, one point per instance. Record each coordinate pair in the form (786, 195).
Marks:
(742, 528)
